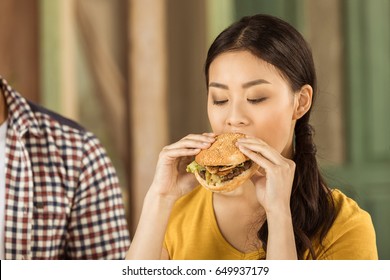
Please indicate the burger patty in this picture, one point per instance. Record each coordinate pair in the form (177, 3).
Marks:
(234, 173)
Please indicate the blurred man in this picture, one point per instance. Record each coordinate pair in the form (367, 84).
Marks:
(59, 193)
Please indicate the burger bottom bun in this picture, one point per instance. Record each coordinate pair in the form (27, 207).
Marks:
(230, 185)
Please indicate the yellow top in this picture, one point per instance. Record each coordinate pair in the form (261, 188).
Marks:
(193, 232)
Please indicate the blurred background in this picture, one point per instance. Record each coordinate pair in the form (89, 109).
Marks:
(131, 71)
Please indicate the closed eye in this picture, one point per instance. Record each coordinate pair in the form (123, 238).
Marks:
(219, 102)
(256, 100)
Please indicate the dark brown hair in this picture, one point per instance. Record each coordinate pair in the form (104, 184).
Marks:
(278, 43)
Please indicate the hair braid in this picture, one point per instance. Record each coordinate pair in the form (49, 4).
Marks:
(308, 202)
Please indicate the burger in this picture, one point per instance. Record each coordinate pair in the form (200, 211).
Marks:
(222, 167)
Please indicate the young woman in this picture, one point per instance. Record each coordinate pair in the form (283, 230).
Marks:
(261, 82)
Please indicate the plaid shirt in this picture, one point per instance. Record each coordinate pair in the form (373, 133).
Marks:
(63, 200)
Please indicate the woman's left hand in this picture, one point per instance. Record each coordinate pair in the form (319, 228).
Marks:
(274, 179)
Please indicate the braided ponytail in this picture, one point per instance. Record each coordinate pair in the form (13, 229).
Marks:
(310, 198)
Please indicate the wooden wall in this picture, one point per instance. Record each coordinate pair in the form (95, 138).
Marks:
(19, 45)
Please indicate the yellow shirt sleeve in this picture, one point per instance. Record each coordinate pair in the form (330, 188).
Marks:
(352, 235)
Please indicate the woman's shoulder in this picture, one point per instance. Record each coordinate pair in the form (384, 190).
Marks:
(352, 235)
(348, 211)
(346, 207)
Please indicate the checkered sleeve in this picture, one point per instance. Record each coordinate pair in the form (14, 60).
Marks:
(97, 228)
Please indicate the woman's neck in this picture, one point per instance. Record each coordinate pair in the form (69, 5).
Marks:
(239, 216)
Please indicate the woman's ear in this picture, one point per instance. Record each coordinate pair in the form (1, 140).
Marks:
(303, 100)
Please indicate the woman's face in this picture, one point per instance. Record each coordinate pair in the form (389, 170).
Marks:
(249, 95)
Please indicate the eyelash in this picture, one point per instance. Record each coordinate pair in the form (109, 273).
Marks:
(255, 101)
(219, 102)
(252, 101)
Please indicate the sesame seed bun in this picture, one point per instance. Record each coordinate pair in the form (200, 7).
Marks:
(222, 152)
(224, 155)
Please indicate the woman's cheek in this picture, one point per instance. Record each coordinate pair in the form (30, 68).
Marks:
(216, 121)
(274, 130)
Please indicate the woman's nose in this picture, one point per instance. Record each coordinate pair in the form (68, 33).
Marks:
(237, 116)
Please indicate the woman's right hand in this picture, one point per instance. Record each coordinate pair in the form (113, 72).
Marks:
(171, 180)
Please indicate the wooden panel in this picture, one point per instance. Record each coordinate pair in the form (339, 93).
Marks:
(367, 172)
(355, 70)
(19, 53)
(102, 81)
(220, 14)
(187, 92)
(57, 53)
(368, 58)
(378, 78)
(148, 92)
(376, 200)
(50, 54)
(289, 10)
(326, 41)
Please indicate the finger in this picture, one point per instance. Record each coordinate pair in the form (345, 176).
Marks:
(206, 137)
(253, 140)
(180, 152)
(192, 143)
(189, 144)
(260, 147)
(260, 160)
(210, 134)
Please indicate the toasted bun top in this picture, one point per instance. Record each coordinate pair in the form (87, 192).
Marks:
(222, 152)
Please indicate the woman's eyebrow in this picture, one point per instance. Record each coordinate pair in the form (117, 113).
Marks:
(255, 83)
(244, 85)
(218, 85)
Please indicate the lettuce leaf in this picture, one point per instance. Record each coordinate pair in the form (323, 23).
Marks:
(194, 167)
